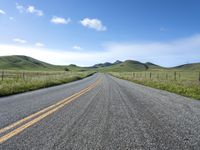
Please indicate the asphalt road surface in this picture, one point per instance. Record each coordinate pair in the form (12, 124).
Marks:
(99, 112)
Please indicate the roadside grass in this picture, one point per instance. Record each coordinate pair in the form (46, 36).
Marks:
(182, 83)
(13, 82)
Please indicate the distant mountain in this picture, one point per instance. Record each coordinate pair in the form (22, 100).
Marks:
(74, 67)
(18, 62)
(117, 62)
(128, 65)
(106, 64)
(102, 65)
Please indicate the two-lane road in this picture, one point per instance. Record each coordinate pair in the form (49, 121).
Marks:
(99, 112)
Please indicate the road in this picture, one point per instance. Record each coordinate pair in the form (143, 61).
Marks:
(99, 112)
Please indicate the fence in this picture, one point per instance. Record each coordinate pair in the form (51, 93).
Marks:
(19, 75)
(168, 75)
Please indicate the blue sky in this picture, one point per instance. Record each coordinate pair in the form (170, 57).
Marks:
(86, 32)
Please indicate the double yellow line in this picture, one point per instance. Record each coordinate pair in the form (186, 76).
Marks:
(26, 122)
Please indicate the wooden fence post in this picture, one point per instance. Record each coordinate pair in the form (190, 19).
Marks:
(150, 75)
(175, 75)
(2, 75)
(199, 76)
(23, 76)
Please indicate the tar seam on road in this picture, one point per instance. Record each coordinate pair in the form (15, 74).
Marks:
(41, 114)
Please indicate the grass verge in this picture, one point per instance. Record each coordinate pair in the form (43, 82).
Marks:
(184, 88)
(12, 86)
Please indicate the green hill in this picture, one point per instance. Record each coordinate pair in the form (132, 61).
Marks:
(106, 64)
(128, 65)
(153, 66)
(17, 62)
(189, 67)
(73, 67)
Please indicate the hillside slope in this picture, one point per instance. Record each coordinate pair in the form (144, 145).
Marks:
(153, 66)
(18, 62)
(128, 65)
(189, 67)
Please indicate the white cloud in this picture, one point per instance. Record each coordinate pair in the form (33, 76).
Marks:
(47, 55)
(76, 47)
(2, 12)
(18, 40)
(60, 20)
(33, 10)
(93, 23)
(20, 8)
(30, 9)
(39, 44)
(171, 53)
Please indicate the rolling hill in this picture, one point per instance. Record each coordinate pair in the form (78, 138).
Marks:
(189, 67)
(129, 65)
(18, 62)
(153, 66)
(106, 64)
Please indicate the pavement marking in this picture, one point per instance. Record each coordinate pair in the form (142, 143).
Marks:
(42, 114)
(37, 113)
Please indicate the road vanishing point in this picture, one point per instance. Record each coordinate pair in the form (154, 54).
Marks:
(99, 112)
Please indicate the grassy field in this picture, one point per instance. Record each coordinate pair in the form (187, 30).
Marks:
(181, 82)
(12, 82)
(183, 79)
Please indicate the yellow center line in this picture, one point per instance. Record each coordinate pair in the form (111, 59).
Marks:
(42, 114)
